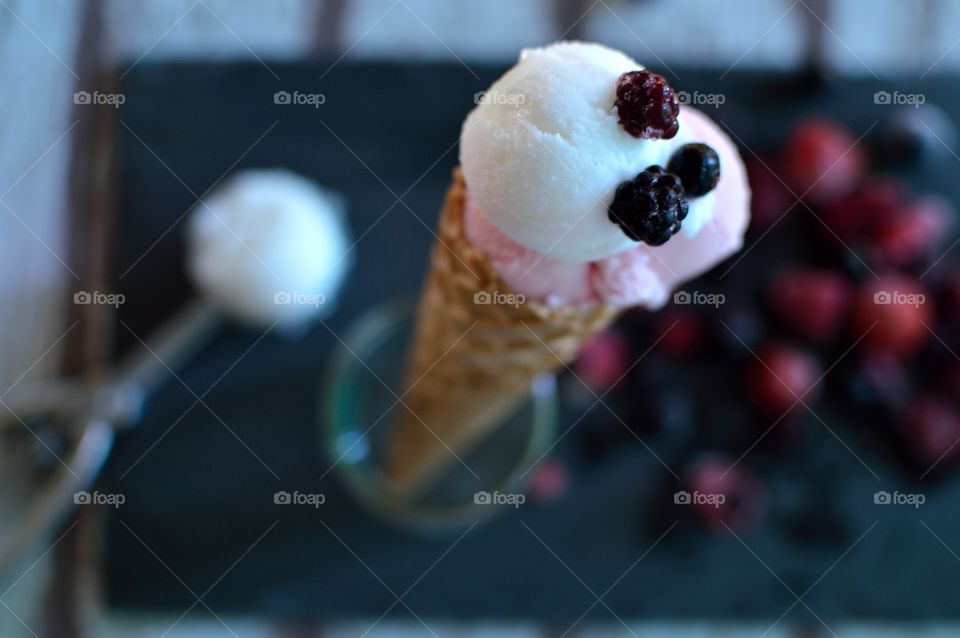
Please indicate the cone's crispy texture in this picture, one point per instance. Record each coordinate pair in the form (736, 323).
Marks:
(476, 349)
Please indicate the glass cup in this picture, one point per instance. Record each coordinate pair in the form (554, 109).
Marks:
(361, 404)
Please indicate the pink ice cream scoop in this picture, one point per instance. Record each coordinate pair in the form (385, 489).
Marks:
(642, 274)
(526, 271)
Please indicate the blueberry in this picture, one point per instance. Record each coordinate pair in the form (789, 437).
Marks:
(697, 166)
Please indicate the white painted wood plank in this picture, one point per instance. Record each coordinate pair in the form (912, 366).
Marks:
(944, 46)
(881, 37)
(493, 30)
(213, 29)
(719, 33)
(36, 111)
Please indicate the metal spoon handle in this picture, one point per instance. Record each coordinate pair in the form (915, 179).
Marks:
(162, 355)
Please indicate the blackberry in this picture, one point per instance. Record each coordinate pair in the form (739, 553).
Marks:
(650, 207)
(697, 166)
(647, 106)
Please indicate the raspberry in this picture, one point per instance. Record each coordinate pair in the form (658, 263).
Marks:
(603, 360)
(549, 481)
(899, 309)
(680, 332)
(724, 492)
(822, 162)
(781, 378)
(912, 234)
(697, 166)
(647, 106)
(812, 302)
(650, 207)
(870, 204)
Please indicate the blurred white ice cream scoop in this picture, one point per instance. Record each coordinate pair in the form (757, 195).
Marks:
(269, 246)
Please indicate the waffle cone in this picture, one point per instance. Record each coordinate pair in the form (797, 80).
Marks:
(474, 355)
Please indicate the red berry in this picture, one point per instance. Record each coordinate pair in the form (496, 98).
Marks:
(769, 199)
(873, 201)
(812, 302)
(782, 376)
(722, 492)
(897, 308)
(821, 161)
(933, 430)
(549, 481)
(647, 106)
(603, 360)
(905, 238)
(680, 332)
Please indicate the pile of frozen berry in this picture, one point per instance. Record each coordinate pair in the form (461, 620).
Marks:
(842, 311)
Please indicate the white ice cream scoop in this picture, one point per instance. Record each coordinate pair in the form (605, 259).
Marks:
(269, 246)
(544, 152)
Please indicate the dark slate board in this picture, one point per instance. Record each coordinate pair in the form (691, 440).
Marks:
(199, 499)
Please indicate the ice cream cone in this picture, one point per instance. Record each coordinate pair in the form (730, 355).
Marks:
(590, 191)
(476, 349)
